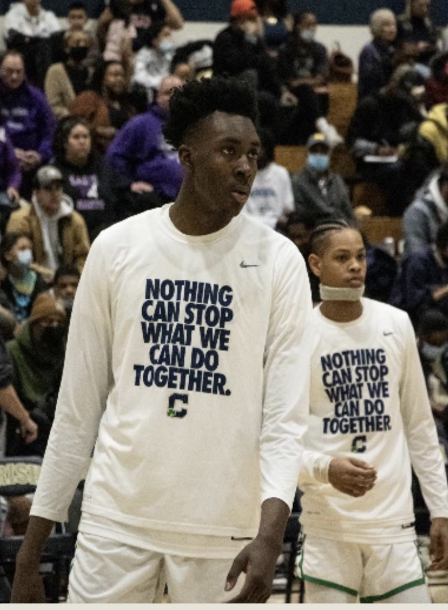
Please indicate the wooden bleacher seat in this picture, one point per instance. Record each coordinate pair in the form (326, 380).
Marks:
(377, 228)
(294, 159)
(343, 97)
(291, 157)
(369, 194)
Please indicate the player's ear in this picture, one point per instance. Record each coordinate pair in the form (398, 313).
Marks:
(315, 264)
(185, 154)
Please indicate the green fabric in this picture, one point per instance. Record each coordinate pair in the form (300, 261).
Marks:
(33, 374)
(376, 598)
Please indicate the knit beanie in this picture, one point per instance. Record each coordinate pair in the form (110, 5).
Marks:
(45, 305)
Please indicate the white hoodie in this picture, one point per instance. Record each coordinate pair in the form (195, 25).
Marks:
(50, 230)
(42, 25)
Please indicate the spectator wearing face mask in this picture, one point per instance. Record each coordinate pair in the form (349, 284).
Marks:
(37, 357)
(422, 280)
(65, 80)
(21, 283)
(153, 61)
(319, 194)
(303, 60)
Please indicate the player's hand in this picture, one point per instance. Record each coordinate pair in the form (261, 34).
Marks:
(438, 548)
(257, 561)
(351, 476)
(28, 430)
(27, 587)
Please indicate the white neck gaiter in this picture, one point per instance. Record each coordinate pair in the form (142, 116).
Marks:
(330, 293)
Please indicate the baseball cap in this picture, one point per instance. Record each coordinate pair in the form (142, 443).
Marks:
(317, 138)
(46, 176)
(243, 8)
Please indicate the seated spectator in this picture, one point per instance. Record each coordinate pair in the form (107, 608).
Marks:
(143, 14)
(10, 175)
(140, 156)
(85, 175)
(119, 36)
(429, 210)
(271, 198)
(21, 284)
(37, 357)
(77, 20)
(319, 194)
(303, 60)
(26, 116)
(239, 49)
(65, 285)
(65, 80)
(433, 350)
(153, 61)
(298, 229)
(10, 402)
(381, 123)
(376, 61)
(415, 25)
(435, 130)
(381, 273)
(277, 23)
(59, 234)
(28, 28)
(437, 83)
(422, 281)
(193, 60)
(106, 105)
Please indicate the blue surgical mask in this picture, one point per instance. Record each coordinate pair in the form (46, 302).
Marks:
(25, 258)
(318, 162)
(166, 46)
(432, 352)
(307, 35)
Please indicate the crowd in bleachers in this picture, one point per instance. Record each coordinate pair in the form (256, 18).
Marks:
(82, 147)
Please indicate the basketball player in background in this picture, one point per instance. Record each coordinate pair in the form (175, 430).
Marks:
(370, 419)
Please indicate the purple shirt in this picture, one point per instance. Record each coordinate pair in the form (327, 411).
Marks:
(28, 119)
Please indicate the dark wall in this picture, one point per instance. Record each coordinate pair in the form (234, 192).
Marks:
(345, 12)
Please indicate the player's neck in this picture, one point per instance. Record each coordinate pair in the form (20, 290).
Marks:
(341, 311)
(190, 217)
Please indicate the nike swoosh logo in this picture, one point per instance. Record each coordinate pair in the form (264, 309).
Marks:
(244, 265)
(387, 334)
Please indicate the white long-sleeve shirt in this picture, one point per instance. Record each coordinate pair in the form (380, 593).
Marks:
(188, 358)
(368, 400)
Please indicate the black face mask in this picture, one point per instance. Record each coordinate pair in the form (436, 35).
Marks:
(78, 53)
(53, 336)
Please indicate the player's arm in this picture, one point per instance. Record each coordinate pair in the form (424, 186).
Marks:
(257, 559)
(284, 419)
(424, 449)
(28, 586)
(86, 380)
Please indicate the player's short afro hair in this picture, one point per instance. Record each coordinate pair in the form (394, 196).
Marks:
(199, 99)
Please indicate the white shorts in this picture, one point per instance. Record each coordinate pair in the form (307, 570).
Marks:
(106, 571)
(371, 571)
